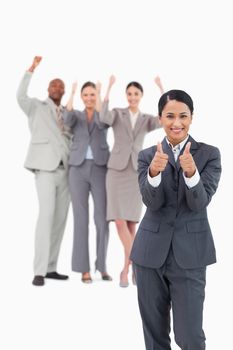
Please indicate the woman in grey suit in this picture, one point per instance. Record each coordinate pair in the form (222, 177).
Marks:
(124, 202)
(87, 172)
(174, 242)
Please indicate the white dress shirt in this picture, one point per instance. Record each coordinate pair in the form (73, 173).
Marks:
(133, 118)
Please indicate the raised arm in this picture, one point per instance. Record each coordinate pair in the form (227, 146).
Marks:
(159, 84)
(112, 80)
(35, 63)
(25, 102)
(70, 103)
(105, 115)
(98, 106)
(69, 113)
(153, 122)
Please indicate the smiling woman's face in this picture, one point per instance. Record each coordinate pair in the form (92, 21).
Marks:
(89, 97)
(176, 118)
(134, 96)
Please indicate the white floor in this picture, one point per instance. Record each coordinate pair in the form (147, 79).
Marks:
(71, 315)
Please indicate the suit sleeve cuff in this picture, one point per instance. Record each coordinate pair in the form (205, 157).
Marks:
(154, 181)
(192, 181)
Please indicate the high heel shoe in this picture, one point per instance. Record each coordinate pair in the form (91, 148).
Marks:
(123, 281)
(86, 278)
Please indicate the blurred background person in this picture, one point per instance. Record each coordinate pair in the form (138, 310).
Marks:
(124, 202)
(48, 158)
(87, 174)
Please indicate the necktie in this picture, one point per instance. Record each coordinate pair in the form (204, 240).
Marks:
(59, 119)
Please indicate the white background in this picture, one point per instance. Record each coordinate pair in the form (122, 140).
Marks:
(187, 43)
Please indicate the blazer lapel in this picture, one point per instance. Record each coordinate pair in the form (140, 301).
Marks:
(167, 149)
(95, 123)
(91, 126)
(53, 121)
(138, 123)
(126, 120)
(85, 122)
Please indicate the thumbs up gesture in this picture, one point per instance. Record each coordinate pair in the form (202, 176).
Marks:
(159, 161)
(186, 161)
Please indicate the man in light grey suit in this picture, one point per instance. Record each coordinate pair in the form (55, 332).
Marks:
(47, 157)
(174, 243)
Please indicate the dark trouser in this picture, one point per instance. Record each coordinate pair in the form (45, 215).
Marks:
(168, 287)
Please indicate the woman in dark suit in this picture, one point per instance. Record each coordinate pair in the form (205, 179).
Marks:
(174, 243)
(124, 203)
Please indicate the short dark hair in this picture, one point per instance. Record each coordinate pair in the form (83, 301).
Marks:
(178, 95)
(87, 84)
(57, 80)
(135, 84)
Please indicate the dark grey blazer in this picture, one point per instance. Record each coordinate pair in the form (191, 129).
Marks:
(175, 214)
(82, 137)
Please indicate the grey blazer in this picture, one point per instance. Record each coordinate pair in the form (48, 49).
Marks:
(175, 214)
(47, 146)
(128, 142)
(82, 138)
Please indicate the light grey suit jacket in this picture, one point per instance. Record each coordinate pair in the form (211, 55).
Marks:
(175, 214)
(128, 142)
(82, 138)
(48, 146)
